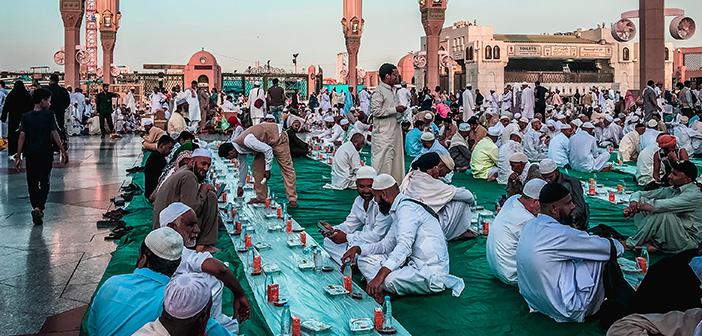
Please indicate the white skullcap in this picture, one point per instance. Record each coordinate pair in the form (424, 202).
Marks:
(684, 119)
(469, 85)
(560, 116)
(328, 119)
(635, 118)
(257, 83)
(616, 120)
(504, 117)
(532, 189)
(581, 115)
(652, 123)
(169, 214)
(269, 116)
(428, 136)
(165, 243)
(524, 120)
(519, 157)
(463, 127)
(587, 125)
(383, 181)
(524, 84)
(186, 295)
(516, 133)
(344, 122)
(428, 116)
(608, 118)
(517, 116)
(148, 122)
(550, 122)
(366, 172)
(201, 152)
(493, 131)
(547, 166)
(447, 160)
(577, 122)
(565, 127)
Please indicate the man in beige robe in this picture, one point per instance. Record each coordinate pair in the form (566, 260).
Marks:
(387, 149)
(186, 186)
(152, 135)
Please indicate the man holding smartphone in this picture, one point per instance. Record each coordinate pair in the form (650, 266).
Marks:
(364, 224)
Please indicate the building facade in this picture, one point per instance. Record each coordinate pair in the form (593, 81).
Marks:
(570, 61)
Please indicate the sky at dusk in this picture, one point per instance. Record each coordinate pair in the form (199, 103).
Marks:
(241, 32)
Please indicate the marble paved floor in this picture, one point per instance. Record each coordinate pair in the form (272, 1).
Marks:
(55, 267)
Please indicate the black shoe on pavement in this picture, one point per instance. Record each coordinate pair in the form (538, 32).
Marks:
(37, 217)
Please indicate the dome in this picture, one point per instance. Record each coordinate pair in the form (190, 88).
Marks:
(202, 57)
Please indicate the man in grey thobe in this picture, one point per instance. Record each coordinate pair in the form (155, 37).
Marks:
(387, 149)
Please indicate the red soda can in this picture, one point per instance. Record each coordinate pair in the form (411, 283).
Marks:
(279, 212)
(257, 264)
(224, 197)
(620, 188)
(591, 181)
(273, 291)
(247, 241)
(348, 283)
(331, 160)
(238, 226)
(591, 190)
(641, 261)
(303, 238)
(611, 196)
(248, 178)
(378, 318)
(268, 202)
(295, 325)
(233, 212)
(486, 227)
(288, 226)
(217, 186)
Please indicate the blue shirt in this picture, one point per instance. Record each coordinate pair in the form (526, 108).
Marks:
(127, 302)
(413, 144)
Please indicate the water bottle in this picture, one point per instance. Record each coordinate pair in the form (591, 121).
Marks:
(285, 318)
(348, 276)
(317, 258)
(644, 262)
(387, 313)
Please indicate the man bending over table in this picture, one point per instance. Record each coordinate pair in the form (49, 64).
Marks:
(413, 257)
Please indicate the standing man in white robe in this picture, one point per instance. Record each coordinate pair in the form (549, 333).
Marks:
(559, 146)
(257, 103)
(387, 148)
(364, 101)
(347, 161)
(584, 155)
(501, 245)
(79, 99)
(468, 102)
(528, 101)
(129, 100)
(560, 269)
(412, 259)
(364, 224)
(193, 105)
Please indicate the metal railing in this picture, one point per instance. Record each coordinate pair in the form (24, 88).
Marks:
(558, 77)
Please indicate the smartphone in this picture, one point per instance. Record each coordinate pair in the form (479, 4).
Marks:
(323, 228)
(222, 186)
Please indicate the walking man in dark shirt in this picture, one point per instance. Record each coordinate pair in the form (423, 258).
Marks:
(60, 101)
(38, 130)
(540, 93)
(103, 102)
(276, 101)
(156, 162)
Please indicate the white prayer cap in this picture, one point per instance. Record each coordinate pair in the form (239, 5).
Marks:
(428, 136)
(285, 109)
(532, 189)
(493, 131)
(169, 214)
(588, 125)
(634, 119)
(469, 85)
(344, 122)
(684, 119)
(165, 243)
(517, 116)
(328, 119)
(560, 116)
(201, 152)
(366, 172)
(616, 120)
(269, 116)
(565, 127)
(547, 166)
(132, 88)
(550, 123)
(504, 117)
(581, 115)
(463, 127)
(524, 84)
(186, 295)
(516, 133)
(428, 116)
(608, 118)
(447, 160)
(577, 122)
(519, 157)
(652, 123)
(383, 181)
(257, 83)
(148, 122)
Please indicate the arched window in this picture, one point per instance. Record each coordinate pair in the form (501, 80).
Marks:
(625, 54)
(496, 52)
(667, 57)
(488, 52)
(469, 53)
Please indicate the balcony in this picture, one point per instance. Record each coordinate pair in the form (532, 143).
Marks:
(558, 77)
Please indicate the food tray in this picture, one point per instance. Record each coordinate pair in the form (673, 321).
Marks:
(335, 290)
(314, 325)
(360, 325)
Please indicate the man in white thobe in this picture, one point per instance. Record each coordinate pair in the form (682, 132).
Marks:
(560, 268)
(347, 161)
(559, 146)
(650, 135)
(79, 98)
(689, 139)
(387, 148)
(505, 229)
(129, 100)
(364, 101)
(506, 101)
(584, 155)
(156, 100)
(228, 105)
(528, 101)
(257, 94)
(644, 165)
(534, 148)
(411, 259)
(512, 146)
(193, 105)
(451, 204)
(364, 224)
(630, 145)
(334, 134)
(404, 96)
(468, 102)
